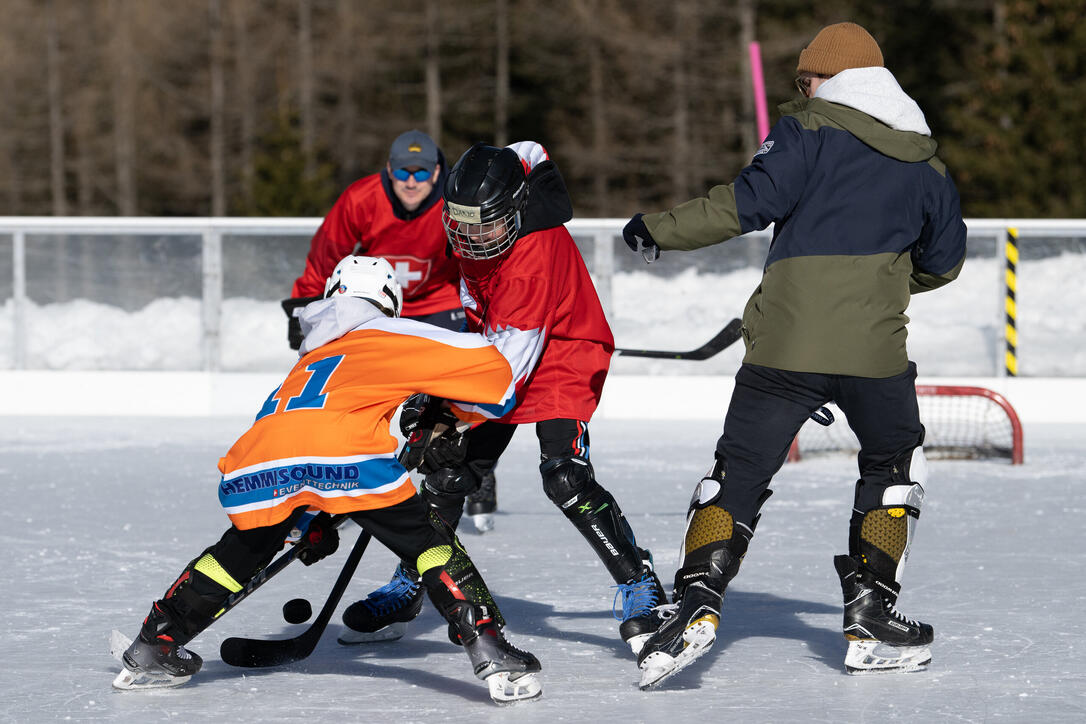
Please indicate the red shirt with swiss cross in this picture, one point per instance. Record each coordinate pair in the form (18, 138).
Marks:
(362, 221)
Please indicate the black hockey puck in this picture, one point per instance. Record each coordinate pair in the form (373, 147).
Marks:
(297, 610)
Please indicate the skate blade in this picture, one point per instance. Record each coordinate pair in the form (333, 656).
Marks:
(658, 667)
(874, 657)
(392, 632)
(484, 522)
(512, 687)
(118, 644)
(129, 680)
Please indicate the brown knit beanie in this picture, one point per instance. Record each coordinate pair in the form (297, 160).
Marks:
(839, 47)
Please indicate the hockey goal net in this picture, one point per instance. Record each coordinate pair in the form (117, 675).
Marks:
(960, 422)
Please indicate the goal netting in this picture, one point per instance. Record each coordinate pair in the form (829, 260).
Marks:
(960, 422)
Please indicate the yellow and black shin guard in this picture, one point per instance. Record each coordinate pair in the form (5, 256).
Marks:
(451, 578)
(197, 597)
(709, 529)
(884, 537)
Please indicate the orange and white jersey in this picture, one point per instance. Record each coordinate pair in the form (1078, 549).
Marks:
(323, 439)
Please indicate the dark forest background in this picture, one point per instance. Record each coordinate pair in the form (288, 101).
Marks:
(271, 107)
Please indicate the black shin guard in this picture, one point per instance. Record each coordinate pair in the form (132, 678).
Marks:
(571, 485)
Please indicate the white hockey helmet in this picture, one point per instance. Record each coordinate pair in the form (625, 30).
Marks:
(370, 278)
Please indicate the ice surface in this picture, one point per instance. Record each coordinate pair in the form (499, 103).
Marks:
(101, 514)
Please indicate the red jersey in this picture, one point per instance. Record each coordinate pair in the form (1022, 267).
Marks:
(363, 221)
(537, 304)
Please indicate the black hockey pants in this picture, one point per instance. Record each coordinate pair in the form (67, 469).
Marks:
(568, 481)
(192, 601)
(769, 406)
(559, 438)
(403, 528)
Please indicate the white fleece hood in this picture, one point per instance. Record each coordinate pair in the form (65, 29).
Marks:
(876, 92)
(327, 319)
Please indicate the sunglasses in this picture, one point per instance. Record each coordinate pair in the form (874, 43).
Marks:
(402, 174)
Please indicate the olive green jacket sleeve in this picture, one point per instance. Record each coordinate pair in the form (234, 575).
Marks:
(700, 222)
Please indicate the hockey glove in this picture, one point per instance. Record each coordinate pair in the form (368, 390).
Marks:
(637, 237)
(412, 411)
(321, 539)
(423, 421)
(293, 307)
(446, 450)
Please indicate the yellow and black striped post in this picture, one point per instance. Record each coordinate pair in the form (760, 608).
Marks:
(1010, 305)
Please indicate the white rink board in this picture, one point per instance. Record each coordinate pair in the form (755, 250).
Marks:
(626, 397)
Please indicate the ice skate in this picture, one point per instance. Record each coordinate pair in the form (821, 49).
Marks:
(687, 632)
(880, 639)
(154, 665)
(640, 597)
(509, 672)
(384, 614)
(481, 505)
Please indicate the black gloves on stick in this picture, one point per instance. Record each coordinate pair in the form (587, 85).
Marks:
(433, 441)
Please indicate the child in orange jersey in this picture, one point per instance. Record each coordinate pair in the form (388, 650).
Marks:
(322, 442)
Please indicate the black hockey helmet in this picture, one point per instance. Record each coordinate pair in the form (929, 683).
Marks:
(484, 195)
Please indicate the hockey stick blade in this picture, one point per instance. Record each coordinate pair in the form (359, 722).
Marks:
(725, 338)
(253, 653)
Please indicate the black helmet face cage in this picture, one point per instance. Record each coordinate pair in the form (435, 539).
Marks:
(473, 239)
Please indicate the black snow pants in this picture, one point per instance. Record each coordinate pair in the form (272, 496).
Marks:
(769, 406)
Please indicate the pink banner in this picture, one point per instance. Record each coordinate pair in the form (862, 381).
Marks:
(758, 81)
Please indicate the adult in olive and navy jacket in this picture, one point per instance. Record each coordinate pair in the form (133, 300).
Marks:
(864, 214)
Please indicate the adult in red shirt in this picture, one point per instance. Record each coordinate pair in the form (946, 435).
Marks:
(525, 287)
(396, 214)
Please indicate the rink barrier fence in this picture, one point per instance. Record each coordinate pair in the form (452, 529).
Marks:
(214, 232)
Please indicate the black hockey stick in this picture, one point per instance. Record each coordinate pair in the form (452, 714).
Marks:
(252, 653)
(726, 337)
(267, 572)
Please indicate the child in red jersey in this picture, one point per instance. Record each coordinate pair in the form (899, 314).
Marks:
(525, 287)
(322, 442)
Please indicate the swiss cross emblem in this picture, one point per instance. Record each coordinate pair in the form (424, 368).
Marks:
(410, 271)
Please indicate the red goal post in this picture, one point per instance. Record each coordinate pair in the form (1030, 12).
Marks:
(960, 422)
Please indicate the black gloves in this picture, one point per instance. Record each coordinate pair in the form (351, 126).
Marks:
(637, 237)
(412, 411)
(320, 539)
(433, 441)
(294, 325)
(446, 450)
